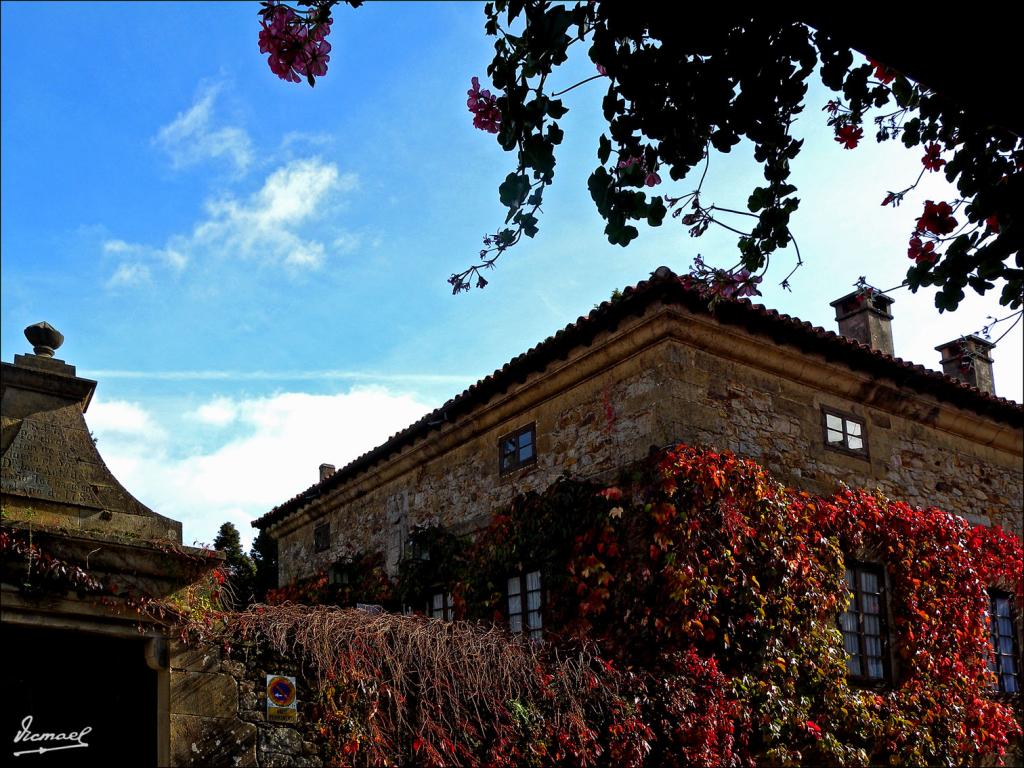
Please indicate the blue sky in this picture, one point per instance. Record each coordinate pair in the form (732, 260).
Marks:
(255, 270)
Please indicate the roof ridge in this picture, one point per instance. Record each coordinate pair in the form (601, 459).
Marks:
(696, 300)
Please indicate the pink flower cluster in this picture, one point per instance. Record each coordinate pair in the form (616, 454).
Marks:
(484, 106)
(297, 46)
(650, 177)
(736, 285)
(725, 283)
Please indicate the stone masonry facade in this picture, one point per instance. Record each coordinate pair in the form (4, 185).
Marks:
(217, 711)
(663, 375)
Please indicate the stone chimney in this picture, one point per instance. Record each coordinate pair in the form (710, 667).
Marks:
(968, 359)
(326, 470)
(865, 318)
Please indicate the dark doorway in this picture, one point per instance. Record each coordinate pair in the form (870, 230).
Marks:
(58, 683)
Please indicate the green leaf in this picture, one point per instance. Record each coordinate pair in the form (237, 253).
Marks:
(556, 109)
(656, 212)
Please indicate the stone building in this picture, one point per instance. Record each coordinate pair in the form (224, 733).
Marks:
(659, 366)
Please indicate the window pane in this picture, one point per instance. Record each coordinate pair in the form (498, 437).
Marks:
(849, 580)
(1005, 626)
(515, 604)
(1010, 665)
(526, 439)
(852, 427)
(513, 585)
(855, 443)
(1010, 683)
(833, 422)
(508, 447)
(871, 604)
(850, 643)
(515, 622)
(1006, 646)
(533, 601)
(1002, 607)
(869, 581)
(853, 665)
(871, 625)
(533, 581)
(875, 671)
(437, 601)
(533, 620)
(526, 453)
(873, 646)
(848, 622)
(834, 437)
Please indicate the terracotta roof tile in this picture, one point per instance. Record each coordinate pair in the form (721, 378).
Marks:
(666, 286)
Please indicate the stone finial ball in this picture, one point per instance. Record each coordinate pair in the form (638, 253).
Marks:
(44, 338)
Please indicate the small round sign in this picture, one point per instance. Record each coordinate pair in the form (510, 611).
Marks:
(281, 691)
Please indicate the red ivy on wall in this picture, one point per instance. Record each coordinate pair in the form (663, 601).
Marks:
(712, 593)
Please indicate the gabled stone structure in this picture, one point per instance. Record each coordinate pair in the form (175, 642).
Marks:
(76, 658)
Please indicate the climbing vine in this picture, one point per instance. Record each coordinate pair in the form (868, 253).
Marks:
(712, 593)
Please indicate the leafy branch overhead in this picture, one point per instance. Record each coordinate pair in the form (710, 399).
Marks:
(677, 91)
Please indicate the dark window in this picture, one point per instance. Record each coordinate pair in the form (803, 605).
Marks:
(844, 432)
(865, 635)
(440, 606)
(1003, 661)
(518, 449)
(525, 604)
(322, 537)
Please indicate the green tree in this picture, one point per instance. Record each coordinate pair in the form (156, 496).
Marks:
(240, 567)
(264, 558)
(678, 90)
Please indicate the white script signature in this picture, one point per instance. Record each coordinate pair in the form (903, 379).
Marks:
(26, 735)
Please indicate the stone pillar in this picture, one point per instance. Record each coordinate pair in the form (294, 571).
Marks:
(865, 318)
(968, 359)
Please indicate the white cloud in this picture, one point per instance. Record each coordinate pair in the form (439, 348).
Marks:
(136, 261)
(219, 412)
(268, 450)
(129, 274)
(263, 227)
(192, 136)
(347, 242)
(123, 419)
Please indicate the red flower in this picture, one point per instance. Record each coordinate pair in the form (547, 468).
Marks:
(882, 72)
(937, 218)
(932, 159)
(484, 106)
(813, 728)
(922, 253)
(849, 136)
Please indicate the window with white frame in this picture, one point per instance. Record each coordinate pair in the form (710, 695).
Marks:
(440, 606)
(517, 449)
(844, 432)
(1003, 661)
(863, 624)
(525, 604)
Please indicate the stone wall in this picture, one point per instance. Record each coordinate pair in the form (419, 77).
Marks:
(608, 404)
(218, 711)
(778, 423)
